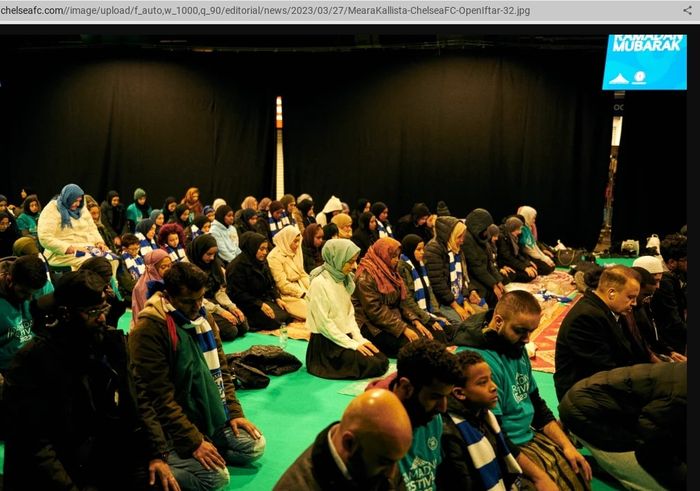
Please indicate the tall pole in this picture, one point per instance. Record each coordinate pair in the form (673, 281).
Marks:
(279, 161)
(605, 236)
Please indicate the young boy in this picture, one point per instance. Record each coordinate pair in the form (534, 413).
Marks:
(131, 265)
(477, 456)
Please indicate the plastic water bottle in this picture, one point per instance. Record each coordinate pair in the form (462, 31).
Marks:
(284, 336)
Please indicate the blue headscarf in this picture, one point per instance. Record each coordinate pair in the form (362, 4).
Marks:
(69, 194)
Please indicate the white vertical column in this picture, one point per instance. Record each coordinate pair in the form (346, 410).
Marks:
(279, 161)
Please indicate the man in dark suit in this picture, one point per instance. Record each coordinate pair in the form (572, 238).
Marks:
(594, 335)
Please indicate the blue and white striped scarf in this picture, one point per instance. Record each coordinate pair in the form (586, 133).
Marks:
(176, 255)
(134, 265)
(456, 276)
(277, 225)
(482, 452)
(195, 231)
(420, 294)
(384, 230)
(146, 245)
(96, 252)
(207, 344)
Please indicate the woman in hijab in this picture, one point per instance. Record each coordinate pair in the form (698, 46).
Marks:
(113, 216)
(68, 233)
(381, 211)
(169, 208)
(225, 233)
(419, 296)
(191, 199)
(203, 252)
(157, 263)
(158, 218)
(528, 242)
(181, 216)
(344, 224)
(138, 210)
(27, 221)
(379, 300)
(363, 206)
(332, 207)
(510, 255)
(250, 284)
(311, 243)
(366, 233)
(304, 214)
(447, 270)
(286, 262)
(8, 234)
(247, 221)
(337, 349)
(146, 233)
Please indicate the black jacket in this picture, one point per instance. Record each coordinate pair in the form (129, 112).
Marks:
(248, 285)
(74, 416)
(507, 255)
(670, 305)
(315, 470)
(590, 340)
(482, 273)
(437, 262)
(640, 407)
(457, 470)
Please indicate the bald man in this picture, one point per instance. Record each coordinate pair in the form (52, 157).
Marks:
(358, 453)
(594, 335)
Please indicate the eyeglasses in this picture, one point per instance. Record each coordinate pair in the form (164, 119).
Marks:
(96, 312)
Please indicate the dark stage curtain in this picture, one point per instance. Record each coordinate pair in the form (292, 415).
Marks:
(490, 130)
(163, 122)
(650, 189)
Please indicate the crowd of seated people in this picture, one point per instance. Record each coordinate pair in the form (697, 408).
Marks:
(196, 274)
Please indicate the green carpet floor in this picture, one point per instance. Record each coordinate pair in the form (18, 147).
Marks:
(295, 407)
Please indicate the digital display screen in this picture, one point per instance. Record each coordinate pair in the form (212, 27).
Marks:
(646, 62)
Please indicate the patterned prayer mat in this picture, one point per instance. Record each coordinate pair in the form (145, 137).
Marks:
(545, 336)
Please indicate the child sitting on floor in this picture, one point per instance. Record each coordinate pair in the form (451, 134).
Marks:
(477, 455)
(131, 265)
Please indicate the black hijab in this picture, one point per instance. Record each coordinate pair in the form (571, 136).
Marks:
(408, 248)
(9, 236)
(195, 250)
(249, 244)
(220, 214)
(166, 213)
(377, 209)
(175, 217)
(363, 236)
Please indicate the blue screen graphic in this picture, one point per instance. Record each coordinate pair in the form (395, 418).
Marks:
(646, 62)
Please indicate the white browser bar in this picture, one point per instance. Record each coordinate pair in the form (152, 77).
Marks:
(348, 12)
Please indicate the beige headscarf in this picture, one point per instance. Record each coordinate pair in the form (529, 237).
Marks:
(283, 240)
(342, 220)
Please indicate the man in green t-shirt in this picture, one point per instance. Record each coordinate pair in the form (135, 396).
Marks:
(19, 279)
(426, 373)
(546, 455)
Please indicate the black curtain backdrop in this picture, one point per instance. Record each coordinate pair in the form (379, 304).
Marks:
(163, 122)
(650, 189)
(492, 130)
